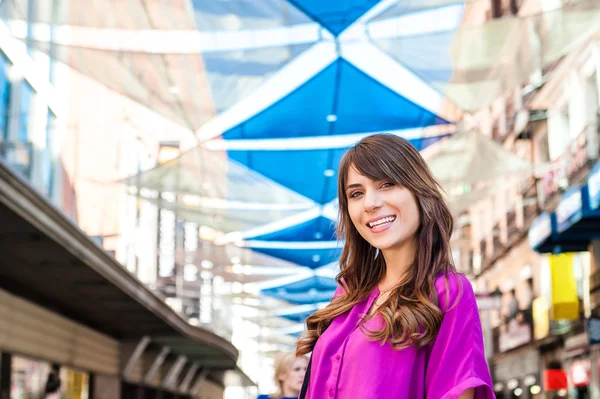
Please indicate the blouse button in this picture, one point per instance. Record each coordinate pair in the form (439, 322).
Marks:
(337, 357)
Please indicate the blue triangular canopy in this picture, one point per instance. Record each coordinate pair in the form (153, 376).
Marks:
(319, 167)
(310, 290)
(335, 16)
(341, 99)
(245, 15)
(297, 314)
(313, 258)
(318, 229)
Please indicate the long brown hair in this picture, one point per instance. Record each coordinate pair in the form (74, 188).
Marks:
(411, 313)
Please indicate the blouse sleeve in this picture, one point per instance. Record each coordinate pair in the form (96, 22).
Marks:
(456, 360)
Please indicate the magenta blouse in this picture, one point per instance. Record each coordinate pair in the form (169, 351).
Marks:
(346, 364)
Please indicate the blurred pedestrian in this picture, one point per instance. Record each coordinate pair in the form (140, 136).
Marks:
(513, 306)
(403, 323)
(289, 374)
(53, 383)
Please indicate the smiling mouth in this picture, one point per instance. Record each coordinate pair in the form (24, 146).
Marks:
(381, 222)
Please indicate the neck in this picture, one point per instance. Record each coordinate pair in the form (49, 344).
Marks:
(398, 261)
(288, 392)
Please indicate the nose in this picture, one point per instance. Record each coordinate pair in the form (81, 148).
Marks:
(372, 201)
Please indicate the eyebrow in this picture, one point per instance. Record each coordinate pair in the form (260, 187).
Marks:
(355, 185)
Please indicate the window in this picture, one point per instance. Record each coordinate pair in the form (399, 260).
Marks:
(48, 160)
(28, 379)
(558, 131)
(4, 96)
(542, 150)
(592, 100)
(25, 106)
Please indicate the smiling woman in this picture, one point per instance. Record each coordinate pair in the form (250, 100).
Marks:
(400, 307)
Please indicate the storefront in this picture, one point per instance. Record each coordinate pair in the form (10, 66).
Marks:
(517, 374)
(32, 379)
(571, 230)
(578, 365)
(75, 329)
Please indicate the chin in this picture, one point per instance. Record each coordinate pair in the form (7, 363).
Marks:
(384, 245)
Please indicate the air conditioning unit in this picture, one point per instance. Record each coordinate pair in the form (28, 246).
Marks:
(18, 156)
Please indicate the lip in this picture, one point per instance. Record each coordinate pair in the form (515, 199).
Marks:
(379, 217)
(383, 227)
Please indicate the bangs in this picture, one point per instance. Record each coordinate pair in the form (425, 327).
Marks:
(371, 163)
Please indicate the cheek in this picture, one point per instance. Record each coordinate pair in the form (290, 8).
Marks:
(354, 211)
(415, 215)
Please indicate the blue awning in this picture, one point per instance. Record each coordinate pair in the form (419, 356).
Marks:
(594, 187)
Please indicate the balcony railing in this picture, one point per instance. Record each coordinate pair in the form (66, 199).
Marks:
(515, 233)
(570, 167)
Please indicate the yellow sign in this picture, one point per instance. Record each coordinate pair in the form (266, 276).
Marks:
(541, 317)
(565, 303)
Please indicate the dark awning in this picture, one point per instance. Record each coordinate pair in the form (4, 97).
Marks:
(545, 238)
(48, 260)
(574, 217)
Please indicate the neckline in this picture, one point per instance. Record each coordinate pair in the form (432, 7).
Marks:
(375, 291)
(371, 301)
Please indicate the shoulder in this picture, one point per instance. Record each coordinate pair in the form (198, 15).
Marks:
(454, 289)
(341, 289)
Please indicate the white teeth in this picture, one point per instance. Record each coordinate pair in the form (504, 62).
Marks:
(381, 221)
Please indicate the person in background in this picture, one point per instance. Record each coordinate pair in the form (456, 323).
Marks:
(403, 322)
(53, 384)
(289, 374)
(513, 306)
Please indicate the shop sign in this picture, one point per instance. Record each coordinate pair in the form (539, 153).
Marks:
(594, 330)
(541, 317)
(555, 380)
(569, 208)
(541, 229)
(488, 301)
(594, 187)
(516, 333)
(166, 243)
(580, 373)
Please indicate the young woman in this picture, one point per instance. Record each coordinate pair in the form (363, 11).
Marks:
(289, 374)
(403, 323)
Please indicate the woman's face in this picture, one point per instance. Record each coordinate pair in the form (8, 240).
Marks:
(385, 214)
(292, 380)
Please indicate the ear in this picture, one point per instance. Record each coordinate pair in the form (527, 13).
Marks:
(281, 376)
